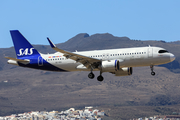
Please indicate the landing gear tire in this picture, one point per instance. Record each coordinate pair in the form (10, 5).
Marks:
(153, 73)
(91, 75)
(100, 78)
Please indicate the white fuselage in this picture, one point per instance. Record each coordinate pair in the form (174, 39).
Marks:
(128, 57)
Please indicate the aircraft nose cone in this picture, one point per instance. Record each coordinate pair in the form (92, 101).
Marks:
(172, 57)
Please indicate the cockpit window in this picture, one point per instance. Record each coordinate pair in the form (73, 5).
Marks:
(163, 51)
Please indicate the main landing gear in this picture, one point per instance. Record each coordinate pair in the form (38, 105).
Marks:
(99, 78)
(91, 75)
(152, 68)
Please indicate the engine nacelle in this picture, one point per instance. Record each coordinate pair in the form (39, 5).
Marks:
(110, 66)
(124, 71)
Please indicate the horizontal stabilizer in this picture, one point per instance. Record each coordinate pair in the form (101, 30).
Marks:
(18, 60)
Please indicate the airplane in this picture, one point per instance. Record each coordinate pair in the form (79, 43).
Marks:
(119, 62)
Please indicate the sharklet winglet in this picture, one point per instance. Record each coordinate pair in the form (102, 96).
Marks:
(51, 43)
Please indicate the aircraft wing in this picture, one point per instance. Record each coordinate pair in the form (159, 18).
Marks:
(89, 62)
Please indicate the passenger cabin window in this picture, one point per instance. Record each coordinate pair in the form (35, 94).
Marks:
(163, 51)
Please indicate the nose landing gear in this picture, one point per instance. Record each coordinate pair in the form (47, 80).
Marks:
(152, 68)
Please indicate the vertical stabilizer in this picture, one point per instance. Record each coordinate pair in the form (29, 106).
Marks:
(22, 47)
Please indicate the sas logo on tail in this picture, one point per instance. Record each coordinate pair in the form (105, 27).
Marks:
(27, 51)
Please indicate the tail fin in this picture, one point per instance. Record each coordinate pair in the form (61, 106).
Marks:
(22, 47)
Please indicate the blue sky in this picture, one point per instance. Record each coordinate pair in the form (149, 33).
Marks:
(63, 19)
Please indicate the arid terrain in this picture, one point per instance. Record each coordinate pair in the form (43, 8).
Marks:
(24, 89)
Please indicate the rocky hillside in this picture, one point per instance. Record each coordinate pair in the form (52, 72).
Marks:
(24, 89)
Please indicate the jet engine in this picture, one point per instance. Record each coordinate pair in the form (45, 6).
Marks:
(110, 66)
(124, 71)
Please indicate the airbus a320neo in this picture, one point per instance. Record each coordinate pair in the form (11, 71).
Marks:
(116, 61)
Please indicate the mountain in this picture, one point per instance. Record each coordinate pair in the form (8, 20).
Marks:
(83, 42)
(24, 89)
